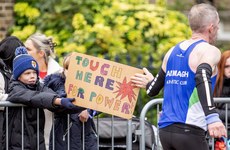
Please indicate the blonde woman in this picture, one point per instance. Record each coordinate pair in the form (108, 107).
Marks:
(41, 48)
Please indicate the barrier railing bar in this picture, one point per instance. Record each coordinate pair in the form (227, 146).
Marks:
(129, 135)
(9, 104)
(83, 139)
(142, 120)
(129, 122)
(159, 101)
(22, 128)
(38, 128)
(98, 130)
(7, 128)
(158, 110)
(68, 134)
(112, 132)
(53, 135)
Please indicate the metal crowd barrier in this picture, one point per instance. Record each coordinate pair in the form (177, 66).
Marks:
(7, 104)
(157, 102)
(140, 133)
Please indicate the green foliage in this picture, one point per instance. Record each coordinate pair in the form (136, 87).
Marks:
(105, 28)
(131, 29)
(24, 20)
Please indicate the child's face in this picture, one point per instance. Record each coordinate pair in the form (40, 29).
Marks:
(28, 77)
(65, 72)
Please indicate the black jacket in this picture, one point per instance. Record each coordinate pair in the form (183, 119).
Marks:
(6, 74)
(221, 106)
(34, 97)
(56, 82)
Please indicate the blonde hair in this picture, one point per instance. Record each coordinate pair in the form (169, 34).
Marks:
(66, 62)
(42, 42)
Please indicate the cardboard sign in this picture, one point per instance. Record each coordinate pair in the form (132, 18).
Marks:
(102, 85)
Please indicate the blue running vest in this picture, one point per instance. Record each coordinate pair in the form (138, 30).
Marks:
(181, 103)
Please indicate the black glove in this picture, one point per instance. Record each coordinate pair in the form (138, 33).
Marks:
(67, 103)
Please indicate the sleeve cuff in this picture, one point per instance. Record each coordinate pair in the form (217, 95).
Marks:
(92, 113)
(211, 118)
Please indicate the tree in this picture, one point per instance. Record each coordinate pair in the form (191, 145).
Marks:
(135, 30)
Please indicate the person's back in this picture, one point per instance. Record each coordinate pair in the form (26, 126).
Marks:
(187, 75)
(179, 80)
(182, 62)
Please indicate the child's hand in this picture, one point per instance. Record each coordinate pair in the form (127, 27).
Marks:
(67, 103)
(84, 116)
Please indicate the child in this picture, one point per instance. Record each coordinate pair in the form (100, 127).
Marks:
(56, 82)
(26, 89)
